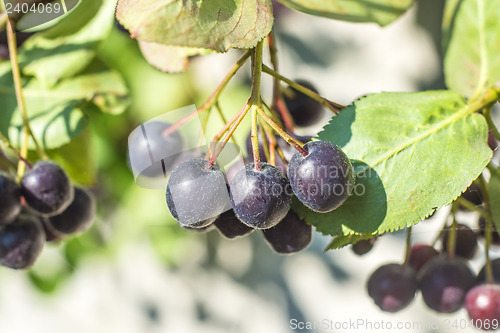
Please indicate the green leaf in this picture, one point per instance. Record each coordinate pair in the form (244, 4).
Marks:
(472, 64)
(382, 12)
(344, 240)
(412, 153)
(171, 59)
(57, 114)
(494, 193)
(66, 49)
(210, 24)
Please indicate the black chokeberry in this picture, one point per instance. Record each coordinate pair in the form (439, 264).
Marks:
(260, 198)
(444, 283)
(304, 110)
(21, 242)
(392, 287)
(10, 199)
(323, 179)
(78, 216)
(230, 227)
(196, 196)
(291, 235)
(363, 246)
(466, 241)
(46, 189)
(420, 254)
(495, 266)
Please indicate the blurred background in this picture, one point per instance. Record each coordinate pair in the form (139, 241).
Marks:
(136, 270)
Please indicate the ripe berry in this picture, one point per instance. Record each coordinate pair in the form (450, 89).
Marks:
(260, 198)
(363, 246)
(466, 241)
(21, 242)
(420, 254)
(483, 306)
(46, 188)
(10, 199)
(151, 152)
(196, 196)
(392, 287)
(291, 235)
(230, 227)
(304, 110)
(51, 235)
(444, 283)
(79, 215)
(495, 266)
(323, 179)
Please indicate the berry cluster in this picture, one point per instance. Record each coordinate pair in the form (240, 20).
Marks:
(444, 278)
(256, 194)
(45, 206)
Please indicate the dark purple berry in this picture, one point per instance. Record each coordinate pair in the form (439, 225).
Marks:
(51, 235)
(291, 235)
(304, 110)
(466, 241)
(495, 266)
(79, 215)
(230, 227)
(323, 179)
(260, 198)
(444, 283)
(21, 242)
(10, 199)
(483, 306)
(392, 287)
(196, 196)
(420, 254)
(46, 189)
(363, 246)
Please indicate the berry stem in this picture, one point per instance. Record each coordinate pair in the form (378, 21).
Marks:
(224, 120)
(256, 73)
(262, 134)
(408, 245)
(470, 206)
(332, 106)
(255, 141)
(278, 101)
(493, 169)
(452, 234)
(282, 133)
(489, 229)
(4, 17)
(214, 97)
(271, 151)
(17, 152)
(21, 103)
(220, 146)
(491, 124)
(440, 234)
